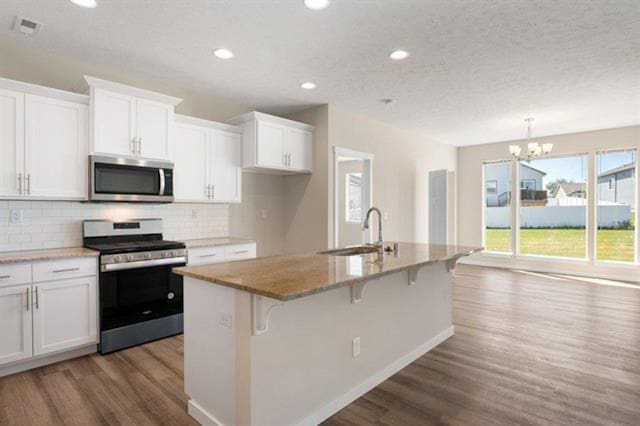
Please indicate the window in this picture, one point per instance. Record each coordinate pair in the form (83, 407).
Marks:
(529, 184)
(491, 186)
(353, 193)
(497, 206)
(553, 221)
(616, 209)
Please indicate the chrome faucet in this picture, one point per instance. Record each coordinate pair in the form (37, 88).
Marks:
(365, 226)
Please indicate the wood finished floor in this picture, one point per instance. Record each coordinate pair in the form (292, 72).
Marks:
(527, 349)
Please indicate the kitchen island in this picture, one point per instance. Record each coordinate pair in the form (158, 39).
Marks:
(292, 339)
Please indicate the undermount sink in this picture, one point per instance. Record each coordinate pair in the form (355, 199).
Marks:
(350, 251)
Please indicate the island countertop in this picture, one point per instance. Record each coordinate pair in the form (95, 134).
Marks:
(289, 277)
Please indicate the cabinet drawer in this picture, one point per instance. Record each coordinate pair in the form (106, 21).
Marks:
(202, 255)
(15, 274)
(66, 268)
(240, 251)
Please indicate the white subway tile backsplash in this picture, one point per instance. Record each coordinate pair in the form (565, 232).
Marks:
(50, 224)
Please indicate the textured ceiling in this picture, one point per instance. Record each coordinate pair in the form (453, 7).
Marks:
(477, 68)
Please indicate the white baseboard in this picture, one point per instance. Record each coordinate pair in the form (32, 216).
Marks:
(373, 381)
(201, 415)
(20, 366)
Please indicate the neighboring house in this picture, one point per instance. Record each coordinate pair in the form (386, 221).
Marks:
(497, 181)
(618, 185)
(570, 190)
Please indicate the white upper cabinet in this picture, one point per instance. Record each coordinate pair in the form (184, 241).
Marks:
(11, 142)
(55, 147)
(207, 161)
(299, 148)
(43, 142)
(225, 152)
(191, 162)
(272, 144)
(114, 122)
(127, 121)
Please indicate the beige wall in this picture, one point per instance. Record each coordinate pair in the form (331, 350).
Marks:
(470, 191)
(306, 213)
(263, 193)
(401, 165)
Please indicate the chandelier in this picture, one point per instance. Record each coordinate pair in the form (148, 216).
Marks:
(534, 149)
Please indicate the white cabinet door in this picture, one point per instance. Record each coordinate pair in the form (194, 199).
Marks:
(64, 314)
(154, 122)
(11, 142)
(299, 148)
(114, 122)
(270, 141)
(225, 172)
(15, 320)
(56, 141)
(191, 163)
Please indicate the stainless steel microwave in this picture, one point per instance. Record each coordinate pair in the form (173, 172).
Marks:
(130, 179)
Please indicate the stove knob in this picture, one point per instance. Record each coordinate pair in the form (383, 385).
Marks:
(173, 253)
(147, 256)
(116, 259)
(129, 257)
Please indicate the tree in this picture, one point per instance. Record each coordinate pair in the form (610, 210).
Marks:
(552, 187)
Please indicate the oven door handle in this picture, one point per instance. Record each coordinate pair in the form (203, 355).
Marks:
(162, 183)
(142, 264)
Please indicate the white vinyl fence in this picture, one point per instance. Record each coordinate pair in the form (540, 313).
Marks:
(556, 216)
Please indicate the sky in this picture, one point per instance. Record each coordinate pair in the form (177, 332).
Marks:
(574, 168)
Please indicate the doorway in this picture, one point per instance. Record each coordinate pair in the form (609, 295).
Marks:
(352, 195)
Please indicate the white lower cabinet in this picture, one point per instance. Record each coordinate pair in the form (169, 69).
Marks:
(15, 331)
(221, 253)
(64, 314)
(43, 317)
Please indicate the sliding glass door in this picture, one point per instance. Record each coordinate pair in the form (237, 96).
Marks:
(616, 208)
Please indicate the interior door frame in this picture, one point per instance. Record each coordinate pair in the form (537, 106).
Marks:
(367, 182)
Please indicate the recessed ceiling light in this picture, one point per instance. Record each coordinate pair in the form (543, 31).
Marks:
(85, 3)
(223, 53)
(317, 4)
(388, 101)
(308, 85)
(398, 55)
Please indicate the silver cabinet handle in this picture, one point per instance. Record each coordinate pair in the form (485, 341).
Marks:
(139, 146)
(208, 255)
(206, 191)
(241, 252)
(4, 277)
(37, 299)
(20, 183)
(28, 183)
(57, 271)
(213, 191)
(28, 299)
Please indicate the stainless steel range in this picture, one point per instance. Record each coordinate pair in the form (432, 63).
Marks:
(140, 298)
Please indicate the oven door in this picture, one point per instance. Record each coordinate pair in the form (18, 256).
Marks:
(139, 305)
(130, 179)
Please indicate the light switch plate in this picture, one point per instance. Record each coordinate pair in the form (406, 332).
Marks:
(355, 346)
(226, 320)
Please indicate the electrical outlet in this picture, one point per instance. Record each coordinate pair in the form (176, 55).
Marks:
(263, 213)
(15, 217)
(194, 214)
(226, 320)
(355, 347)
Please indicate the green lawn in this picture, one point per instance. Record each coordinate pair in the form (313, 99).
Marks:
(613, 244)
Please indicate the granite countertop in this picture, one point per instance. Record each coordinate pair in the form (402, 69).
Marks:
(46, 254)
(219, 241)
(294, 276)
